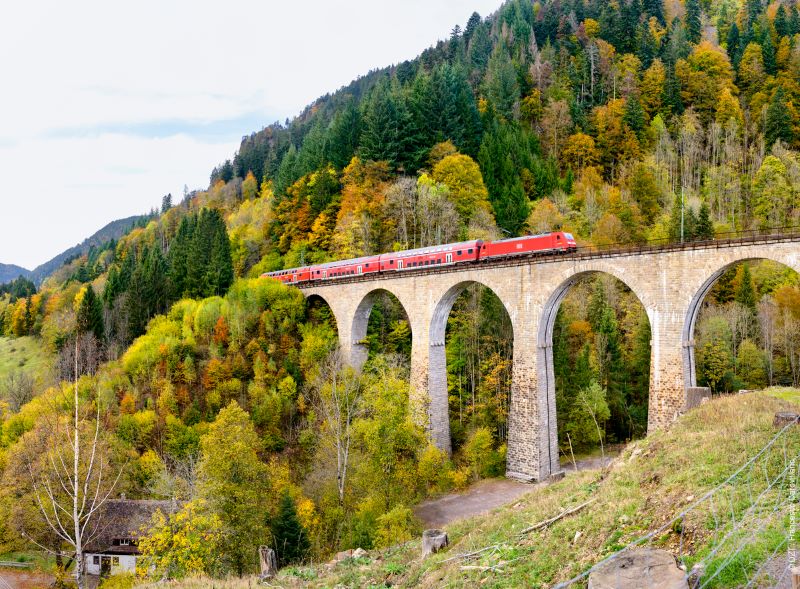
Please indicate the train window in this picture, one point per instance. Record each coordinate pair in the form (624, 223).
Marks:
(469, 251)
(367, 265)
(558, 237)
(392, 262)
(458, 252)
(439, 261)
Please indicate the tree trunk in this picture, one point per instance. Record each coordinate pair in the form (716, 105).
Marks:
(269, 563)
(433, 541)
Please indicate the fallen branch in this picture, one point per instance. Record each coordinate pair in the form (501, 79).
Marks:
(552, 520)
(469, 554)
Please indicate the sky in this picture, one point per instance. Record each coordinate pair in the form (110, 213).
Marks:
(107, 106)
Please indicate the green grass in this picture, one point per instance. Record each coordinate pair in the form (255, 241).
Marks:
(785, 393)
(651, 481)
(26, 354)
(39, 561)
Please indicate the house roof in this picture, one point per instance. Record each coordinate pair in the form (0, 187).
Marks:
(124, 518)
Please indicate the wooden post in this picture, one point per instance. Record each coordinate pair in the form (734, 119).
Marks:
(269, 563)
(433, 541)
(796, 578)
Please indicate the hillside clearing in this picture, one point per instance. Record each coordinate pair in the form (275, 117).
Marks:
(650, 481)
(26, 354)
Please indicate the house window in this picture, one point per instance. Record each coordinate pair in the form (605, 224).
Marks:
(95, 560)
(125, 542)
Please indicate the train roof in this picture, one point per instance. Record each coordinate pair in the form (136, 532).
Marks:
(526, 237)
(348, 261)
(445, 247)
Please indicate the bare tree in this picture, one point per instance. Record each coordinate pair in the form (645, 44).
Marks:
(338, 393)
(17, 389)
(71, 470)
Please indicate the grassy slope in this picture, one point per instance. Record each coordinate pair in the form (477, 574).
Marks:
(649, 483)
(24, 353)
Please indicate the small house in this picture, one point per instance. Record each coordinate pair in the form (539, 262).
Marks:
(114, 547)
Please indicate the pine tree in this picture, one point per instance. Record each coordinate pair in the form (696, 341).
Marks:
(693, 25)
(634, 115)
(746, 293)
(289, 538)
(655, 8)
(781, 22)
(768, 50)
(344, 135)
(89, 317)
(166, 203)
(472, 24)
(501, 86)
(386, 125)
(779, 122)
(705, 227)
(671, 97)
(732, 43)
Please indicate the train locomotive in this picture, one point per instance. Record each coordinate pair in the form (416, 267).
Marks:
(464, 252)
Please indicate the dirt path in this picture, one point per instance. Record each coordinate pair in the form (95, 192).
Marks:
(485, 495)
(14, 579)
(481, 497)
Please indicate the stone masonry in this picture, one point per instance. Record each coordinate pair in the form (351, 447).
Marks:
(670, 284)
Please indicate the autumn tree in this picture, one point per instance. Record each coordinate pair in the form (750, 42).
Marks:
(231, 482)
(182, 544)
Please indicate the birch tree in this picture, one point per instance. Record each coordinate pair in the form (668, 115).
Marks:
(70, 468)
(339, 395)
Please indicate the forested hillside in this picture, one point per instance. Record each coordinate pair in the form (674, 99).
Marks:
(620, 122)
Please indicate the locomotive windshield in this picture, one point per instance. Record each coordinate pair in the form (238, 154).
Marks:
(568, 236)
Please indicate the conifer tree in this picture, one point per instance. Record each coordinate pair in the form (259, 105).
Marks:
(693, 24)
(779, 122)
(289, 537)
(89, 317)
(705, 227)
(746, 293)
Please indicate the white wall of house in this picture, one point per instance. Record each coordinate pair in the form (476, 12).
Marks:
(119, 564)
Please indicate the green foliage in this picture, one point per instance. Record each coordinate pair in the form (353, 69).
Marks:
(588, 417)
(231, 482)
(182, 544)
(289, 538)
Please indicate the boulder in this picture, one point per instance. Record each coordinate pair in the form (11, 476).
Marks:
(639, 569)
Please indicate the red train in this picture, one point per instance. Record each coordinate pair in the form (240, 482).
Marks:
(437, 255)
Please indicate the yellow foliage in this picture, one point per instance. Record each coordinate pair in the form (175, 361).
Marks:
(462, 176)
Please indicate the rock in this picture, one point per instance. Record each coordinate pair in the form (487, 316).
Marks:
(783, 419)
(359, 553)
(433, 541)
(639, 569)
(343, 555)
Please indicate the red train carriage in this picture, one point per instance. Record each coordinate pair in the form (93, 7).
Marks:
(438, 255)
(291, 276)
(355, 267)
(547, 242)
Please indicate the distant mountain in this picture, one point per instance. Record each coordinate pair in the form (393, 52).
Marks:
(113, 230)
(9, 272)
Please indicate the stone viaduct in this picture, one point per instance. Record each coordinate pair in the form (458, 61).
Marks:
(670, 282)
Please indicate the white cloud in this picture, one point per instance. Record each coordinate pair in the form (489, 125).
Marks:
(107, 106)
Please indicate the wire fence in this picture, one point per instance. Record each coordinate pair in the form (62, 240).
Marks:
(749, 521)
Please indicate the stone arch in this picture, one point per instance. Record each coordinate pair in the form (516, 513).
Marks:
(358, 327)
(545, 368)
(313, 299)
(696, 302)
(438, 406)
